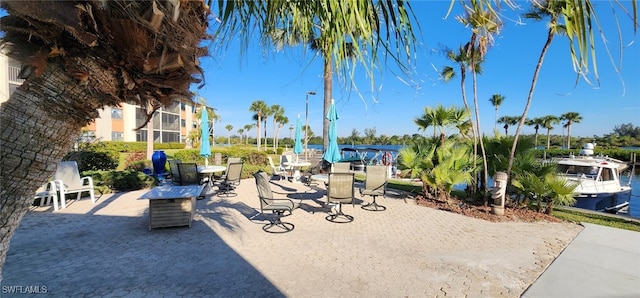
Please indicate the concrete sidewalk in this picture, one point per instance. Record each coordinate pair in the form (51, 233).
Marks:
(599, 262)
(107, 250)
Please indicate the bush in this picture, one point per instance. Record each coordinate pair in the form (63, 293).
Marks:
(92, 160)
(137, 161)
(121, 180)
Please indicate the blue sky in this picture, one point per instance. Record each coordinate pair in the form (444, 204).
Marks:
(233, 82)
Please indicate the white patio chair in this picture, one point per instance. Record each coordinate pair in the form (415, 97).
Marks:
(276, 171)
(69, 181)
(48, 193)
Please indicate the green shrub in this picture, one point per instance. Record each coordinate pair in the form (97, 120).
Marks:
(92, 160)
(121, 180)
(136, 161)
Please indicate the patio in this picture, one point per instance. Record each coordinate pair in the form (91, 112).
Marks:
(407, 250)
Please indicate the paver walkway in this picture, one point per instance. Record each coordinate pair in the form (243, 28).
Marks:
(107, 250)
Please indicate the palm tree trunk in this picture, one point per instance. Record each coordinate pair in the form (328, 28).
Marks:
(328, 83)
(548, 138)
(512, 154)
(569, 135)
(40, 123)
(463, 76)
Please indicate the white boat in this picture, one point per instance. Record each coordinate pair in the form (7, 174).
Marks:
(598, 179)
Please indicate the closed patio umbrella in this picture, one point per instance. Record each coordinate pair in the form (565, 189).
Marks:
(297, 148)
(332, 152)
(205, 145)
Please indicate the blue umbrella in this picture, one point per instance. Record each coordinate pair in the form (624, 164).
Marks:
(205, 146)
(332, 154)
(297, 148)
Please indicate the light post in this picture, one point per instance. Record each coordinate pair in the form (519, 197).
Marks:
(306, 125)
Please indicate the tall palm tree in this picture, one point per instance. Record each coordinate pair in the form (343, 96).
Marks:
(247, 129)
(277, 112)
(265, 115)
(574, 13)
(484, 23)
(548, 122)
(281, 121)
(229, 128)
(571, 118)
(260, 108)
(496, 100)
(536, 123)
(240, 132)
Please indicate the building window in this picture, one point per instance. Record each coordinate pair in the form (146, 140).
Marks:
(183, 123)
(170, 122)
(183, 106)
(117, 136)
(116, 113)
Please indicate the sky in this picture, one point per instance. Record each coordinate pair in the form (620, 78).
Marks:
(234, 81)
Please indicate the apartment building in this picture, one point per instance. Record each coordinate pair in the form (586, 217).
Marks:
(170, 124)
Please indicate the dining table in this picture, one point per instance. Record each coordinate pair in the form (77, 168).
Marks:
(296, 165)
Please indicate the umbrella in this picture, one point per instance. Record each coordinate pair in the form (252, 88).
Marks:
(205, 146)
(297, 148)
(332, 152)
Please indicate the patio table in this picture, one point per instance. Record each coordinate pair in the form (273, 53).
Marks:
(296, 165)
(172, 206)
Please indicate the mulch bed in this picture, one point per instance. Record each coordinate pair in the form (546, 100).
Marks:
(484, 212)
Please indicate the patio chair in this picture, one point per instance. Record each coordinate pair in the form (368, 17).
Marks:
(286, 158)
(276, 171)
(232, 179)
(375, 185)
(69, 181)
(341, 167)
(340, 191)
(230, 160)
(175, 172)
(189, 175)
(277, 206)
(49, 192)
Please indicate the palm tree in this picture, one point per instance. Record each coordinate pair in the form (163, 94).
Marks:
(229, 127)
(281, 121)
(260, 108)
(441, 118)
(247, 129)
(548, 122)
(484, 23)
(265, 115)
(277, 112)
(508, 121)
(78, 57)
(536, 123)
(240, 132)
(496, 100)
(571, 118)
(554, 10)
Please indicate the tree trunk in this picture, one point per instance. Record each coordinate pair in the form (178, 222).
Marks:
(534, 80)
(328, 82)
(40, 122)
(569, 135)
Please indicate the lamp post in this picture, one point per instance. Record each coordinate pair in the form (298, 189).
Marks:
(306, 125)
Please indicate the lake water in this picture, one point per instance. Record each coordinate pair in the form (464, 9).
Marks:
(634, 203)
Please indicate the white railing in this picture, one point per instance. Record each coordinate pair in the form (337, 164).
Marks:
(13, 75)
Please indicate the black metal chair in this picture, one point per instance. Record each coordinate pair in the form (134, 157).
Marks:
(189, 175)
(374, 186)
(175, 172)
(277, 206)
(231, 180)
(340, 191)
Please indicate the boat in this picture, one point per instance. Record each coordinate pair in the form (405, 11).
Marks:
(361, 157)
(598, 179)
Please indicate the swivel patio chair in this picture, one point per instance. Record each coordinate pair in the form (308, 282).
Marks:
(374, 186)
(341, 167)
(340, 191)
(69, 181)
(175, 172)
(277, 206)
(232, 179)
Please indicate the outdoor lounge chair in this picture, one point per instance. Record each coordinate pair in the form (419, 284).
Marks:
(69, 181)
(49, 192)
(276, 171)
(340, 191)
(232, 179)
(277, 206)
(374, 186)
